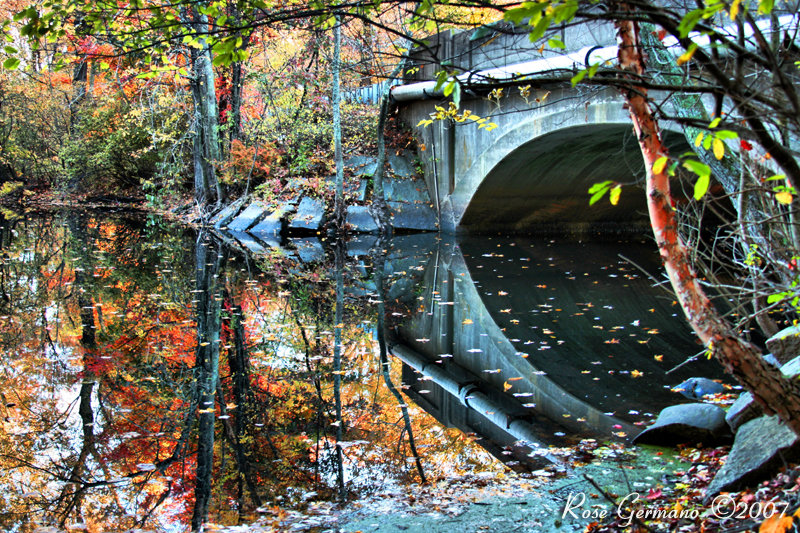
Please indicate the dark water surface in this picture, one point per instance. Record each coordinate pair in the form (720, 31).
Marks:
(154, 377)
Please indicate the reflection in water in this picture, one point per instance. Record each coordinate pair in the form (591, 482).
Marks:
(543, 341)
(157, 378)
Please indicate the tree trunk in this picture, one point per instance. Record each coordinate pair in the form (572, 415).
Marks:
(339, 252)
(336, 102)
(775, 393)
(206, 136)
(208, 262)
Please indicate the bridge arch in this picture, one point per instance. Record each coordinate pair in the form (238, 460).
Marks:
(535, 168)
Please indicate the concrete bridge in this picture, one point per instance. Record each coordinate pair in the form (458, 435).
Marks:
(551, 142)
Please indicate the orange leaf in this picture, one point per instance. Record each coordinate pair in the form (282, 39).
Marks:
(776, 524)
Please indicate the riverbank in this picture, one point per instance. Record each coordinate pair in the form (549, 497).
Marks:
(642, 489)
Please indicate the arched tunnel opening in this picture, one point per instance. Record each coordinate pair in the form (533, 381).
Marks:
(543, 184)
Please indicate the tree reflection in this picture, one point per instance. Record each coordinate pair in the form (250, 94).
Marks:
(155, 379)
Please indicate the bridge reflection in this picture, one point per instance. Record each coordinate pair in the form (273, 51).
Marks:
(543, 342)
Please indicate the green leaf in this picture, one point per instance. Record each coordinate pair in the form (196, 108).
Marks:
(689, 21)
(598, 190)
(540, 28)
(726, 135)
(448, 89)
(697, 167)
(554, 42)
(765, 6)
(701, 186)
(715, 123)
(776, 177)
(577, 78)
(11, 63)
(457, 95)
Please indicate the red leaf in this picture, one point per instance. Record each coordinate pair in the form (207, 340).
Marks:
(654, 494)
(745, 145)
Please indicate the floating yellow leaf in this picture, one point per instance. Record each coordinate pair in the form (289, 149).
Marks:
(506, 386)
(784, 197)
(467, 321)
(636, 374)
(658, 358)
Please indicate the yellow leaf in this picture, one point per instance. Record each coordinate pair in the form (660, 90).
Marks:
(776, 524)
(506, 386)
(467, 321)
(686, 56)
(658, 358)
(719, 148)
(613, 195)
(735, 8)
(660, 164)
(784, 197)
(699, 138)
(636, 374)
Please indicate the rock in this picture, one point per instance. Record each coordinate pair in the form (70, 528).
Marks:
(745, 408)
(413, 216)
(221, 219)
(272, 224)
(697, 388)
(360, 245)
(309, 216)
(309, 249)
(360, 219)
(785, 345)
(402, 166)
(361, 165)
(414, 190)
(247, 241)
(761, 447)
(248, 218)
(360, 191)
(689, 423)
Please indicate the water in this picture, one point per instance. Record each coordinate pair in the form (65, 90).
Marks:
(155, 377)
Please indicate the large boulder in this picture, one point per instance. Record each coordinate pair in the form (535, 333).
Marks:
(745, 407)
(221, 219)
(360, 219)
(309, 216)
(416, 216)
(309, 249)
(402, 166)
(361, 165)
(406, 190)
(785, 345)
(698, 388)
(689, 423)
(761, 447)
(272, 224)
(248, 218)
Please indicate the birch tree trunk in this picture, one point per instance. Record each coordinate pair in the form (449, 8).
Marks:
(774, 392)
